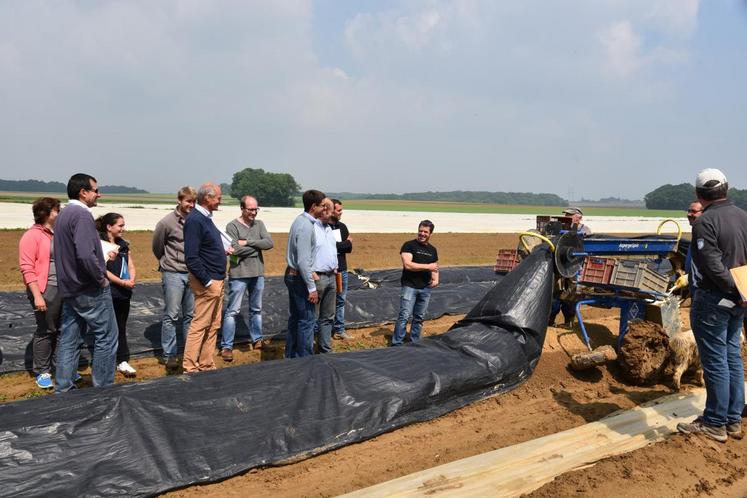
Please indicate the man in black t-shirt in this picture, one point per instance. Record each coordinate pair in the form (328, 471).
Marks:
(419, 276)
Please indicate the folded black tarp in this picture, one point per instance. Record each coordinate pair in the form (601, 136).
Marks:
(148, 437)
(460, 289)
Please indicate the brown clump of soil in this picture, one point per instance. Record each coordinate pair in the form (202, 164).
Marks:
(644, 352)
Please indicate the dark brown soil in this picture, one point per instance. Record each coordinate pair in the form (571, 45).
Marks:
(644, 352)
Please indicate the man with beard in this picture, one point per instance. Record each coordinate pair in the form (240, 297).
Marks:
(419, 277)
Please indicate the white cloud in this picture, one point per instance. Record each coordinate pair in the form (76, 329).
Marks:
(675, 16)
(622, 46)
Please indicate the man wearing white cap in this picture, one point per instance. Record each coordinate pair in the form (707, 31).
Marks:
(576, 216)
(719, 243)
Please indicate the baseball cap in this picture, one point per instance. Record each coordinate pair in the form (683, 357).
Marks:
(710, 178)
(572, 211)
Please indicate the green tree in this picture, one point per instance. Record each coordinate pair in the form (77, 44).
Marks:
(270, 189)
(670, 197)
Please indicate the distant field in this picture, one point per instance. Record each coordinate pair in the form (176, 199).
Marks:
(468, 207)
(373, 205)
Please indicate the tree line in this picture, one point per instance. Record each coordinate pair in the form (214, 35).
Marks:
(281, 189)
(42, 186)
(680, 196)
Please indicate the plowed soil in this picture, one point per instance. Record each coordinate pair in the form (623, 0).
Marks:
(554, 399)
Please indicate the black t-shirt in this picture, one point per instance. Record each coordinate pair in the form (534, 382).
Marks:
(422, 254)
(115, 266)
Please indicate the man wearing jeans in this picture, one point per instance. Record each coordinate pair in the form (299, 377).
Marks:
(719, 243)
(299, 278)
(168, 248)
(325, 272)
(419, 276)
(344, 247)
(82, 283)
(246, 273)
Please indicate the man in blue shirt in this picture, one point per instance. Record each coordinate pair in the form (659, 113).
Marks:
(299, 277)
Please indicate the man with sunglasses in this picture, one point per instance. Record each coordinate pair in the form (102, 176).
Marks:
(82, 283)
(245, 274)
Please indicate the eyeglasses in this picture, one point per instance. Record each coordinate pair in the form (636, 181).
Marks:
(94, 190)
(250, 209)
(694, 211)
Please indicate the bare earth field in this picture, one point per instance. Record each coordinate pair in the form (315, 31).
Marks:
(554, 399)
(371, 251)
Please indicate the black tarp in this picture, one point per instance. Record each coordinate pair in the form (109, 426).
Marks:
(460, 289)
(148, 437)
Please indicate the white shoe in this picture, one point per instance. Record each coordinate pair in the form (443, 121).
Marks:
(125, 369)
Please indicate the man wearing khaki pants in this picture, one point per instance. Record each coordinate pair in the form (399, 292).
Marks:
(205, 254)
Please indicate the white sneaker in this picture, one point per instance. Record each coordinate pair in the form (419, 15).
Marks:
(125, 369)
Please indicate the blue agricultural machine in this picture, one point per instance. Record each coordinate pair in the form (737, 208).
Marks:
(637, 275)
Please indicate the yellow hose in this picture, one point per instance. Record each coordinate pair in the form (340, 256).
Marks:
(539, 236)
(679, 229)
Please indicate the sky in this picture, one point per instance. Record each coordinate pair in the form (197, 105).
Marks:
(583, 98)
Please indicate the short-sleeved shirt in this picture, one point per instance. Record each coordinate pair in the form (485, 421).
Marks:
(118, 266)
(422, 254)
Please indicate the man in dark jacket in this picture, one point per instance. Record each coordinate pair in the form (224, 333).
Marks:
(344, 247)
(82, 283)
(205, 250)
(719, 244)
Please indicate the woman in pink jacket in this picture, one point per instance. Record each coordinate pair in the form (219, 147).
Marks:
(36, 261)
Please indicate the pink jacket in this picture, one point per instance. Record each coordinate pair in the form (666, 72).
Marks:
(33, 255)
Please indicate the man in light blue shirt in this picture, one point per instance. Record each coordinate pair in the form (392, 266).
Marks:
(299, 277)
(325, 269)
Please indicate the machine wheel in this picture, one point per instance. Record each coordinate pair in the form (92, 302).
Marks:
(644, 352)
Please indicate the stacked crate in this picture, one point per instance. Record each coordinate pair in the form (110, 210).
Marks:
(638, 275)
(506, 261)
(597, 270)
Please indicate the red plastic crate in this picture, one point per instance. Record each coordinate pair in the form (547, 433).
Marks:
(506, 261)
(597, 270)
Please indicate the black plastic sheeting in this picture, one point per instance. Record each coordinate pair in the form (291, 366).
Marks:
(460, 289)
(148, 437)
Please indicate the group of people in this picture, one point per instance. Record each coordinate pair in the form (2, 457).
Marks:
(80, 275)
(316, 279)
(75, 286)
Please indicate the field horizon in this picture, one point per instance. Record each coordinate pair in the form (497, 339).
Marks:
(372, 205)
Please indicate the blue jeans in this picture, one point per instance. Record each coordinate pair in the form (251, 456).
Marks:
(92, 311)
(717, 332)
(339, 326)
(413, 303)
(176, 296)
(236, 289)
(326, 287)
(299, 341)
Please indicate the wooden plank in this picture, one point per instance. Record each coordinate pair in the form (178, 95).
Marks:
(524, 467)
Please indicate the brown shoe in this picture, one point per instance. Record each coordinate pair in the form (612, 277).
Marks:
(227, 355)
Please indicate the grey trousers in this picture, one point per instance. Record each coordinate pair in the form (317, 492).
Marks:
(47, 329)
